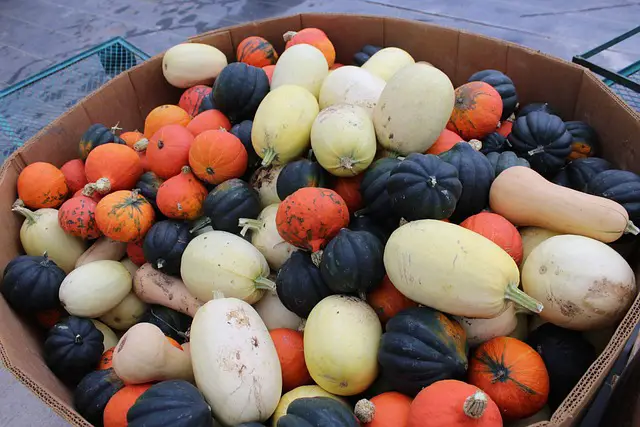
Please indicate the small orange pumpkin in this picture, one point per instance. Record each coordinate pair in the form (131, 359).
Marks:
(445, 142)
(42, 185)
(208, 120)
(106, 361)
(268, 70)
(168, 150)
(316, 38)
(497, 229)
(124, 216)
(182, 196)
(349, 189)
(505, 128)
(290, 349)
(135, 253)
(74, 175)
(115, 413)
(164, 115)
(112, 167)
(387, 301)
(192, 99)
(256, 51)
(476, 112)
(77, 216)
(216, 156)
(384, 410)
(132, 138)
(512, 374)
(48, 318)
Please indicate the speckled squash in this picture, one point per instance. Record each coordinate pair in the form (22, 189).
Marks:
(77, 216)
(196, 99)
(124, 216)
(182, 196)
(503, 85)
(256, 51)
(477, 110)
(42, 185)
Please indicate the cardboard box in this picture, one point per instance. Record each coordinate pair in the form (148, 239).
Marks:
(575, 92)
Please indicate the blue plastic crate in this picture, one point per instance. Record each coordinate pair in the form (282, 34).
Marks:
(31, 104)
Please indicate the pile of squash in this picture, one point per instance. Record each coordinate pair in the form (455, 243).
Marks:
(298, 242)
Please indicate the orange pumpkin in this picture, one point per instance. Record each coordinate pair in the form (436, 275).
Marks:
(453, 403)
(256, 51)
(315, 37)
(48, 318)
(512, 374)
(388, 409)
(182, 196)
(106, 361)
(349, 190)
(335, 66)
(115, 413)
(290, 349)
(216, 156)
(387, 301)
(135, 253)
(164, 115)
(497, 229)
(132, 138)
(445, 142)
(269, 71)
(192, 99)
(42, 185)
(74, 175)
(505, 128)
(476, 112)
(311, 216)
(77, 216)
(112, 167)
(124, 216)
(168, 150)
(208, 120)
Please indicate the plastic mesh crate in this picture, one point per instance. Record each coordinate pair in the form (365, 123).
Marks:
(31, 104)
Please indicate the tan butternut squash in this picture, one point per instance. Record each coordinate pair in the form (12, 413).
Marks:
(155, 287)
(144, 354)
(103, 248)
(525, 198)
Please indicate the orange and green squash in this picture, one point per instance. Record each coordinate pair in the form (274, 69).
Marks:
(476, 112)
(256, 51)
(124, 216)
(42, 185)
(182, 196)
(113, 167)
(168, 150)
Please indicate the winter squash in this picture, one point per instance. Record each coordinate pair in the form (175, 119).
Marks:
(268, 70)
(310, 410)
(453, 403)
(164, 115)
(124, 216)
(115, 413)
(301, 65)
(42, 185)
(497, 229)
(164, 244)
(577, 173)
(132, 138)
(494, 143)
(434, 339)
(275, 315)
(77, 217)
(543, 140)
(182, 196)
(171, 322)
(374, 188)
(341, 340)
(413, 109)
(97, 135)
(73, 348)
(445, 141)
(585, 141)
(298, 393)
(349, 189)
(290, 349)
(208, 120)
(535, 106)
(216, 156)
(299, 174)
(238, 91)
(512, 374)
(155, 287)
(505, 128)
(136, 253)
(126, 314)
(112, 167)
(242, 131)
(256, 51)
(503, 85)
(620, 186)
(385, 63)
(188, 64)
(387, 301)
(310, 217)
(351, 85)
(109, 338)
(424, 186)
(94, 392)
(168, 150)
(505, 160)
(148, 184)
(282, 125)
(343, 139)
(386, 409)
(106, 360)
(314, 37)
(74, 175)
(362, 56)
(230, 201)
(477, 110)
(264, 180)
(531, 238)
(196, 99)
(481, 330)
(103, 248)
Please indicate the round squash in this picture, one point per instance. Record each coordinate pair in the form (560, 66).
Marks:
(196, 99)
(275, 315)
(124, 216)
(374, 190)
(531, 238)
(299, 174)
(168, 150)
(577, 173)
(126, 314)
(310, 410)
(74, 175)
(242, 131)
(265, 182)
(387, 301)
(585, 141)
(77, 216)
(208, 120)
(216, 156)
(42, 185)
(171, 322)
(115, 413)
(349, 189)
(238, 91)
(290, 348)
(164, 115)
(94, 392)
(164, 245)
(314, 37)
(503, 85)
(385, 63)
(503, 161)
(351, 85)
(477, 110)
(228, 203)
(362, 56)
(268, 70)
(445, 142)
(113, 167)
(497, 229)
(620, 186)
(256, 51)
(383, 410)
(190, 64)
(301, 65)
(97, 134)
(494, 143)
(298, 393)
(182, 196)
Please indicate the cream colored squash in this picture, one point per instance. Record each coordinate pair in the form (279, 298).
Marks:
(225, 262)
(155, 287)
(126, 314)
(298, 393)
(454, 270)
(585, 284)
(190, 64)
(341, 341)
(275, 315)
(103, 248)
(282, 125)
(413, 109)
(351, 85)
(130, 266)
(531, 238)
(301, 65)
(343, 140)
(481, 330)
(386, 62)
(95, 288)
(110, 339)
(235, 363)
(264, 181)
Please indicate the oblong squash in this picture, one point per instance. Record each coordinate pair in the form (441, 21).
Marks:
(531, 238)
(301, 65)
(275, 315)
(454, 270)
(189, 64)
(351, 85)
(103, 248)
(386, 62)
(126, 314)
(481, 330)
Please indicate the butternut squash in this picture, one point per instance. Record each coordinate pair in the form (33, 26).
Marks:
(103, 248)
(524, 197)
(155, 287)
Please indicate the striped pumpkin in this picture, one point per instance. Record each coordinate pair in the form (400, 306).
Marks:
(256, 51)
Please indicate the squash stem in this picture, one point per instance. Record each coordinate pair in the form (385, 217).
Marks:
(289, 35)
(141, 145)
(102, 186)
(269, 156)
(632, 228)
(200, 224)
(514, 294)
(475, 405)
(365, 411)
(265, 284)
(249, 224)
(316, 258)
(19, 207)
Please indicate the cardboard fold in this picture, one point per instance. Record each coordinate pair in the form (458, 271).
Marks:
(476, 53)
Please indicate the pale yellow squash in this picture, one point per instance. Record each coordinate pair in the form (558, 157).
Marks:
(126, 314)
(264, 180)
(386, 62)
(190, 64)
(351, 85)
(301, 65)
(531, 238)
(109, 338)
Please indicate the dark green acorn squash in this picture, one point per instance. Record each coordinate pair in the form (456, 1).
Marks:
(299, 174)
(73, 348)
(365, 223)
(620, 186)
(172, 323)
(239, 89)
(476, 175)
(585, 141)
(505, 160)
(230, 201)
(318, 412)
(567, 356)
(299, 284)
(543, 140)
(421, 346)
(242, 131)
(423, 186)
(374, 189)
(503, 85)
(206, 104)
(96, 135)
(31, 283)
(577, 173)
(148, 185)
(174, 403)
(535, 106)
(365, 54)
(494, 143)
(352, 262)
(164, 244)
(93, 393)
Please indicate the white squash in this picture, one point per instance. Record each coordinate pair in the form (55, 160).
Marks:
(109, 339)
(585, 284)
(126, 314)
(130, 266)
(190, 64)
(275, 315)
(264, 181)
(282, 124)
(413, 109)
(341, 341)
(299, 393)
(351, 85)
(481, 330)
(221, 261)
(532, 237)
(40, 233)
(235, 362)
(343, 140)
(386, 62)
(301, 65)
(95, 288)
(265, 237)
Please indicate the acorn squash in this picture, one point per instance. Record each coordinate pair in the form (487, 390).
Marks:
(533, 107)
(318, 411)
(494, 143)
(299, 174)
(501, 83)
(620, 186)
(577, 173)
(148, 184)
(585, 141)
(238, 91)
(364, 54)
(366, 223)
(94, 392)
(505, 160)
(171, 322)
(97, 134)
(242, 131)
(164, 244)
(230, 201)
(374, 188)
